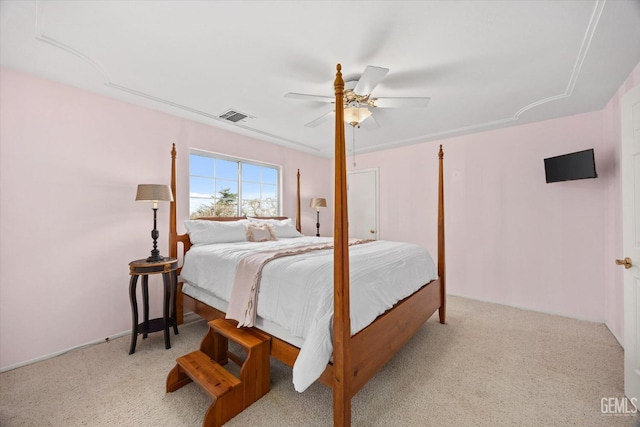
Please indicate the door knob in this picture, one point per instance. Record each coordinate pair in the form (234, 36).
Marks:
(626, 262)
(372, 231)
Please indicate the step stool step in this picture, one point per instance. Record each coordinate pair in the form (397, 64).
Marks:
(212, 377)
(246, 337)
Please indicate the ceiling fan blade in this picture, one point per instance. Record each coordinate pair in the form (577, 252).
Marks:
(370, 79)
(411, 102)
(326, 117)
(307, 97)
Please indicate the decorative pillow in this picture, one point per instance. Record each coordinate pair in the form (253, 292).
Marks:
(203, 232)
(260, 233)
(282, 228)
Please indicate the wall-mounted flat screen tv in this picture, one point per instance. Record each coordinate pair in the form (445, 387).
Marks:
(578, 165)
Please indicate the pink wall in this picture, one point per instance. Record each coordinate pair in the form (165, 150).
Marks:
(69, 165)
(511, 238)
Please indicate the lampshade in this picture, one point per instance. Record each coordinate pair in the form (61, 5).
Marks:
(154, 193)
(318, 203)
(355, 115)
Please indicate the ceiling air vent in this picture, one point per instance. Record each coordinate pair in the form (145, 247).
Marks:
(234, 116)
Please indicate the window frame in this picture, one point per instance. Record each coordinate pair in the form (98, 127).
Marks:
(239, 161)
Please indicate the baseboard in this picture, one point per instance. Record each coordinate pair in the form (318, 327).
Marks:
(525, 308)
(619, 339)
(188, 318)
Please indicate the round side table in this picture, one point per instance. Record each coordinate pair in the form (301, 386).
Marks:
(168, 267)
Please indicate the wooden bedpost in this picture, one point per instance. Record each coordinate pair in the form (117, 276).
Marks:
(441, 258)
(341, 317)
(298, 218)
(173, 233)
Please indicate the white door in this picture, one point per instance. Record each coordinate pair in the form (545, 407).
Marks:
(631, 241)
(362, 199)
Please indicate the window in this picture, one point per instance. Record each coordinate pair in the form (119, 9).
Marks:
(224, 186)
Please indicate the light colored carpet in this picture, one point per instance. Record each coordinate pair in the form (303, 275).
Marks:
(491, 365)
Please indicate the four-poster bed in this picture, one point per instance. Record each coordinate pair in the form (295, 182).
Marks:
(356, 357)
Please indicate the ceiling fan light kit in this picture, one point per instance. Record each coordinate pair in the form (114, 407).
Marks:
(354, 114)
(358, 101)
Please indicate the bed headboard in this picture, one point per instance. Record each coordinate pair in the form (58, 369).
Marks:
(186, 242)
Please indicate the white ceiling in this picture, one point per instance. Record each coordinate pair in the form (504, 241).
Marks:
(485, 64)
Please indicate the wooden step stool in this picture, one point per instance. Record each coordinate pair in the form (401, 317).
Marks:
(231, 395)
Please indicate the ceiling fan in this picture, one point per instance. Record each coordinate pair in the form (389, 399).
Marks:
(358, 102)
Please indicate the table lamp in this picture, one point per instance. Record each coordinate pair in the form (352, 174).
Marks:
(318, 203)
(154, 193)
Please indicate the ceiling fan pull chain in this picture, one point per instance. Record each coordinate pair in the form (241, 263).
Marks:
(353, 150)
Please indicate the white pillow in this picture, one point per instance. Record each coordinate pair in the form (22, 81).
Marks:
(203, 232)
(283, 228)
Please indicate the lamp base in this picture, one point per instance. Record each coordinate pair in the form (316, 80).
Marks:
(155, 252)
(155, 256)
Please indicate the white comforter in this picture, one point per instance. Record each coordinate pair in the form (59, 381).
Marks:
(297, 292)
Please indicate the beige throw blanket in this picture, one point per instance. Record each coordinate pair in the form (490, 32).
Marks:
(246, 283)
